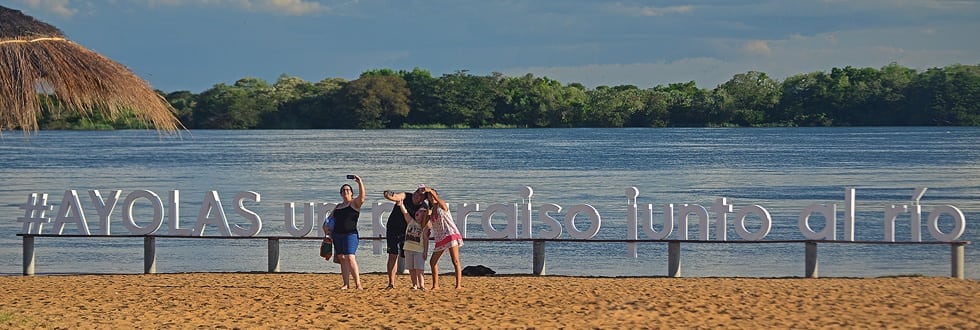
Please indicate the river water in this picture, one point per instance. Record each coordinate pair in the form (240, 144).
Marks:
(783, 170)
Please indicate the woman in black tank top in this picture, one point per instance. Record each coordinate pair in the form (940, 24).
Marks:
(344, 233)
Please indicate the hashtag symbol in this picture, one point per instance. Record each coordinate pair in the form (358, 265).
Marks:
(34, 209)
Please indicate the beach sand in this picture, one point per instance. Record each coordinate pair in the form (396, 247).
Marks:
(312, 301)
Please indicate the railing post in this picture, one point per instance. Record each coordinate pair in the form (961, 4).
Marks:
(273, 255)
(28, 255)
(956, 262)
(674, 259)
(538, 258)
(812, 268)
(149, 255)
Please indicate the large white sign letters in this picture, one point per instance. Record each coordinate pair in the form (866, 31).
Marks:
(503, 221)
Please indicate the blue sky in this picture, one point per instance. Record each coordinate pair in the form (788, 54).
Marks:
(195, 44)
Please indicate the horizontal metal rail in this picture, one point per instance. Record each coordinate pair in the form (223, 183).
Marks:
(957, 249)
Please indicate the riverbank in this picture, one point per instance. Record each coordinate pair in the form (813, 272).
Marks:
(305, 300)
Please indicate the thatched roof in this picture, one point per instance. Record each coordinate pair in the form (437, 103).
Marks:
(36, 59)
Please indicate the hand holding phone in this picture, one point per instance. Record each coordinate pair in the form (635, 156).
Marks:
(350, 177)
(390, 195)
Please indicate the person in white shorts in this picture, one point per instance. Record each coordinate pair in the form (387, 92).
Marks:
(416, 244)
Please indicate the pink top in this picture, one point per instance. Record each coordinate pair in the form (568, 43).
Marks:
(444, 230)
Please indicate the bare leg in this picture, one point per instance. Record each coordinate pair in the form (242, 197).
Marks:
(344, 271)
(392, 263)
(355, 272)
(454, 254)
(434, 264)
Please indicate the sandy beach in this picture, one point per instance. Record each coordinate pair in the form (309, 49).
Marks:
(312, 301)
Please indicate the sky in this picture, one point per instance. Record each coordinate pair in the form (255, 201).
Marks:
(192, 45)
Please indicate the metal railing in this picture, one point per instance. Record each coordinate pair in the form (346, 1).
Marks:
(811, 264)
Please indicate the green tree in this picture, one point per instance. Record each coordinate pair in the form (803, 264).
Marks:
(572, 110)
(803, 101)
(239, 106)
(947, 96)
(314, 107)
(964, 90)
(747, 98)
(465, 99)
(690, 106)
(374, 101)
(184, 102)
(892, 103)
(423, 101)
(532, 102)
(613, 106)
(654, 112)
(892, 95)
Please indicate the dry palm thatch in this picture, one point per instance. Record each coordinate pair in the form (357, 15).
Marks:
(36, 60)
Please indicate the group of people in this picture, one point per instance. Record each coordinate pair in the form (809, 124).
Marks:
(417, 216)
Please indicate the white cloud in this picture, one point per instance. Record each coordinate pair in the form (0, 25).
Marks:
(288, 7)
(756, 47)
(57, 7)
(297, 7)
(648, 11)
(655, 11)
(166, 2)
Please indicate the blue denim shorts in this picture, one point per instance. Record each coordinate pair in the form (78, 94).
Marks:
(345, 243)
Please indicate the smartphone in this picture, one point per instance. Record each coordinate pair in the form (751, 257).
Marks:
(350, 177)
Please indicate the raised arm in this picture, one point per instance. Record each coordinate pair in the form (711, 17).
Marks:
(404, 211)
(435, 200)
(393, 196)
(359, 199)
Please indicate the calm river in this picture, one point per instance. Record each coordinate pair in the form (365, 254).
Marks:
(784, 170)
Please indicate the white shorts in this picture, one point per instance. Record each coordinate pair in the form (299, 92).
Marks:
(414, 260)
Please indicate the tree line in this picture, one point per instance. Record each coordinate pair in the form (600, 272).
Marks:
(890, 96)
